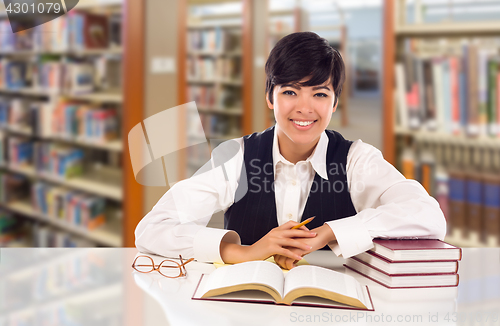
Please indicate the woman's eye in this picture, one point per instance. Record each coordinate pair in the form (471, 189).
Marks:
(289, 92)
(321, 95)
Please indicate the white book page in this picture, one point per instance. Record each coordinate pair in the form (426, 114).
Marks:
(321, 278)
(259, 272)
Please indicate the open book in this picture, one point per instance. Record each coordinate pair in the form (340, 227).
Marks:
(264, 282)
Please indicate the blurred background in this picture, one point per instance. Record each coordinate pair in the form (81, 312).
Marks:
(422, 86)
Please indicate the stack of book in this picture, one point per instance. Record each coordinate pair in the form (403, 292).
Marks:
(409, 263)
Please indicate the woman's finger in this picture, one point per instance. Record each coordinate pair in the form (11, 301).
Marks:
(292, 243)
(297, 234)
(288, 253)
(279, 260)
(289, 263)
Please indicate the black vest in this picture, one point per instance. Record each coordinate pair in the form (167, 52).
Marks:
(254, 215)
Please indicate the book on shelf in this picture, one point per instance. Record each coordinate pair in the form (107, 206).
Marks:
(407, 267)
(416, 250)
(264, 282)
(71, 206)
(467, 193)
(213, 40)
(491, 208)
(58, 161)
(45, 236)
(16, 114)
(115, 29)
(20, 151)
(3, 162)
(13, 187)
(493, 91)
(89, 31)
(6, 36)
(454, 92)
(78, 30)
(62, 119)
(203, 95)
(457, 204)
(78, 78)
(401, 280)
(13, 74)
(10, 228)
(74, 121)
(210, 69)
(49, 75)
(442, 194)
(474, 197)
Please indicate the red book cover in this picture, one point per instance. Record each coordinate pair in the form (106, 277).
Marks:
(382, 278)
(416, 250)
(385, 260)
(96, 31)
(399, 275)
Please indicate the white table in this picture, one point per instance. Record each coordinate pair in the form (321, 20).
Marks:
(97, 286)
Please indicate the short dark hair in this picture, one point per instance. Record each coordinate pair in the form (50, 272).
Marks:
(300, 55)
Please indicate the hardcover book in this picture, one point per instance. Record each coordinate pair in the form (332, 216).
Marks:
(416, 250)
(264, 282)
(407, 267)
(401, 280)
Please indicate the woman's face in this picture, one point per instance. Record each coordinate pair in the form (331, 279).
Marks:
(302, 112)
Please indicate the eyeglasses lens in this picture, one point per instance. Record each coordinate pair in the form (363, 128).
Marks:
(144, 264)
(170, 268)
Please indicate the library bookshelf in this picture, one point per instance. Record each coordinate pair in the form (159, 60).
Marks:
(215, 61)
(440, 110)
(42, 129)
(280, 23)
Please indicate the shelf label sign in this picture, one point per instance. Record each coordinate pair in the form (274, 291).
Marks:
(26, 14)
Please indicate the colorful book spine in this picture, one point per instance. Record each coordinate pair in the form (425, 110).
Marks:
(455, 100)
(447, 100)
(73, 207)
(457, 204)
(474, 197)
(493, 117)
(498, 105)
(491, 206)
(463, 88)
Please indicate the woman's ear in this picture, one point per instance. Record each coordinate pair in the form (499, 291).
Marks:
(269, 104)
(336, 104)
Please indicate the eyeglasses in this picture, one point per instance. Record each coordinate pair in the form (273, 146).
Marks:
(167, 268)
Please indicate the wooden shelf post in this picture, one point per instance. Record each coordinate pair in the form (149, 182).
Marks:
(388, 83)
(133, 108)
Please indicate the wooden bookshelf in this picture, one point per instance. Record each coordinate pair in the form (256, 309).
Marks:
(233, 52)
(115, 184)
(104, 184)
(76, 53)
(104, 236)
(454, 149)
(449, 29)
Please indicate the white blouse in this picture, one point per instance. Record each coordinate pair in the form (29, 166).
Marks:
(387, 204)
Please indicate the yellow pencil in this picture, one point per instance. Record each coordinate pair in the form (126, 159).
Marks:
(303, 223)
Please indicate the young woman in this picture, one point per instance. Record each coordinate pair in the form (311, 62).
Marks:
(290, 172)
